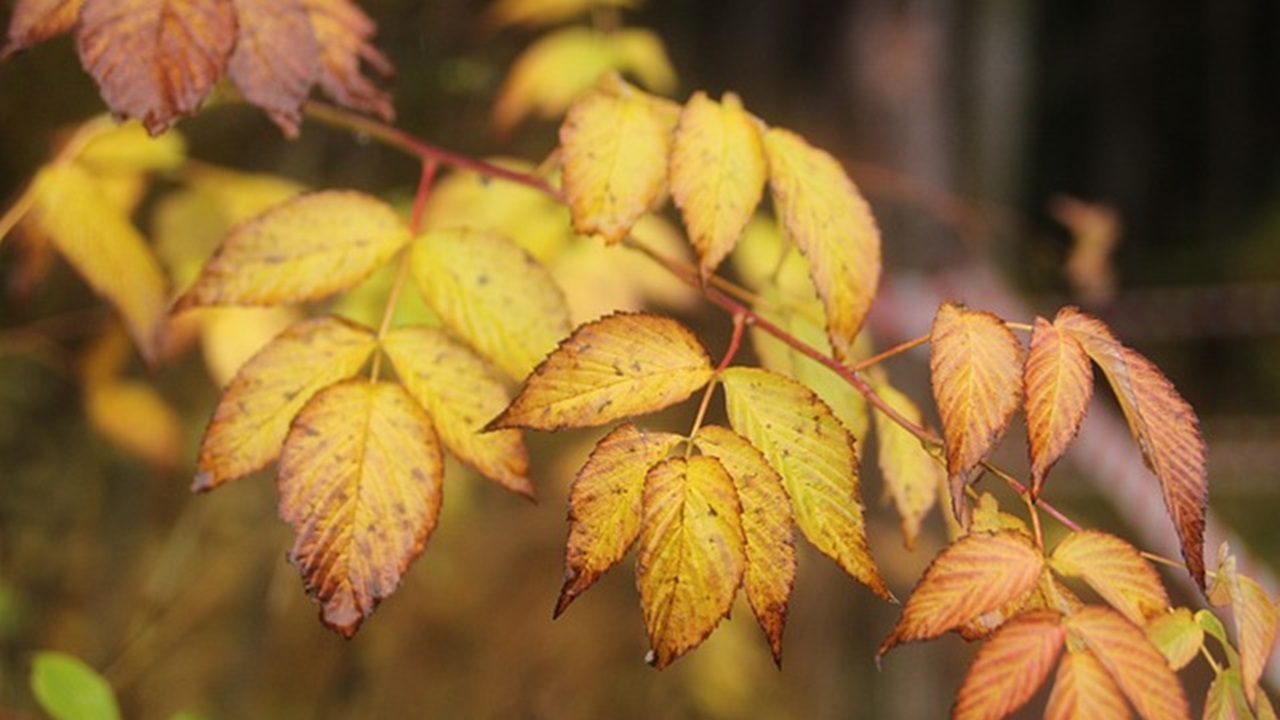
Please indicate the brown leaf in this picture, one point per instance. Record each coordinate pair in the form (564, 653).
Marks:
(343, 31)
(1134, 664)
(1058, 382)
(276, 58)
(35, 21)
(1010, 667)
(1084, 691)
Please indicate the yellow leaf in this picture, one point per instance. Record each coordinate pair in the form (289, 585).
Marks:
(254, 412)
(360, 483)
(975, 364)
(128, 148)
(1083, 691)
(766, 526)
(1134, 664)
(35, 21)
(531, 218)
(1058, 382)
(1255, 620)
(304, 249)
(547, 12)
(813, 452)
(912, 475)
(1164, 425)
(717, 173)
(460, 393)
(492, 293)
(1115, 570)
(973, 576)
(691, 557)
(642, 54)
(104, 247)
(615, 367)
(230, 336)
(1178, 637)
(1010, 667)
(135, 417)
(826, 216)
(605, 505)
(614, 145)
(1225, 699)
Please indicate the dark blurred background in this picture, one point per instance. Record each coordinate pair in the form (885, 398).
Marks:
(1019, 156)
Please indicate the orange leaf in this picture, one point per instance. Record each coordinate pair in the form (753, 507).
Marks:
(1010, 667)
(621, 365)
(605, 505)
(155, 60)
(35, 21)
(1115, 570)
(690, 558)
(766, 526)
(276, 59)
(1164, 425)
(1178, 637)
(814, 453)
(1058, 382)
(360, 484)
(912, 475)
(343, 32)
(1134, 664)
(1083, 691)
(828, 219)
(975, 364)
(254, 412)
(974, 575)
(1255, 620)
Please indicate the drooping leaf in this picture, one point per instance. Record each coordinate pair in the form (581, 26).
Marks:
(766, 526)
(1115, 570)
(814, 453)
(605, 503)
(826, 216)
(304, 249)
(614, 144)
(1057, 383)
(1225, 699)
(68, 689)
(690, 558)
(1163, 424)
(975, 363)
(492, 293)
(1133, 663)
(460, 393)
(276, 58)
(253, 415)
(717, 173)
(546, 12)
(912, 475)
(360, 483)
(155, 60)
(35, 21)
(1083, 691)
(622, 365)
(1178, 637)
(343, 32)
(1255, 621)
(973, 576)
(1010, 667)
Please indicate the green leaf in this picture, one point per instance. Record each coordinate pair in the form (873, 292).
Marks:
(68, 689)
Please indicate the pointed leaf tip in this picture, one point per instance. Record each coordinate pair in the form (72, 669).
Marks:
(1058, 383)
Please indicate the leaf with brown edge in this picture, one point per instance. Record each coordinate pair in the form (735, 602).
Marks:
(494, 294)
(974, 575)
(35, 21)
(252, 418)
(1132, 662)
(618, 366)
(276, 59)
(828, 219)
(717, 173)
(975, 364)
(155, 60)
(813, 452)
(1255, 621)
(605, 505)
(614, 144)
(1115, 570)
(460, 392)
(912, 475)
(1010, 667)
(360, 483)
(343, 32)
(303, 249)
(1083, 690)
(1164, 425)
(1178, 637)
(690, 558)
(1057, 383)
(766, 527)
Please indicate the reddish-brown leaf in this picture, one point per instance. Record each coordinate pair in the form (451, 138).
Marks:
(1058, 382)
(1134, 664)
(1115, 570)
(1084, 691)
(343, 32)
(976, 574)
(155, 60)
(35, 21)
(1163, 424)
(276, 58)
(1010, 667)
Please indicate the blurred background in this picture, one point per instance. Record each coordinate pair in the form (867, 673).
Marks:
(1019, 156)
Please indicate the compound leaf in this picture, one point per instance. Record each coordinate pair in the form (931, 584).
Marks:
(1134, 664)
(1058, 382)
(1010, 667)
(1115, 570)
(1083, 690)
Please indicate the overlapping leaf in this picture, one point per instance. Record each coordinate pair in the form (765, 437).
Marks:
(461, 394)
(1083, 690)
(1010, 667)
(276, 58)
(492, 293)
(360, 483)
(1255, 620)
(766, 526)
(1225, 699)
(1164, 425)
(1132, 662)
(814, 453)
(253, 415)
(1057, 382)
(622, 365)
(690, 557)
(1115, 570)
(912, 476)
(305, 249)
(1178, 637)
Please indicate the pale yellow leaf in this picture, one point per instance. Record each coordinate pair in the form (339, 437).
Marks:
(1057, 383)
(1255, 620)
(134, 416)
(1134, 664)
(1178, 637)
(912, 475)
(1010, 667)
(1115, 570)
(229, 336)
(129, 148)
(1084, 691)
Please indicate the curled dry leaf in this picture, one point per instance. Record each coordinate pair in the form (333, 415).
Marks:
(1010, 667)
